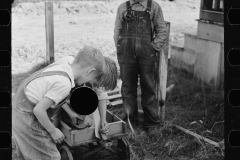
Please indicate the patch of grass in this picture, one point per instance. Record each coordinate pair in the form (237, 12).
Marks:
(191, 104)
(191, 101)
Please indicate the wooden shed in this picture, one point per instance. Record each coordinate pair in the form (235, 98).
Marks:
(203, 53)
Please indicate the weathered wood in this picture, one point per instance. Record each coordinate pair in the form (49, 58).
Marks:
(76, 137)
(116, 102)
(210, 32)
(197, 136)
(212, 12)
(162, 71)
(212, 16)
(49, 32)
(65, 130)
(221, 86)
(207, 61)
(118, 95)
(115, 96)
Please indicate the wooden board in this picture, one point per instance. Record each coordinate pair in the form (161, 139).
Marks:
(49, 32)
(211, 32)
(76, 137)
(162, 71)
(212, 12)
(221, 68)
(212, 16)
(207, 61)
(190, 41)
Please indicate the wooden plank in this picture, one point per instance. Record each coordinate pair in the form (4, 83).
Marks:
(207, 61)
(114, 96)
(169, 89)
(115, 128)
(162, 71)
(211, 32)
(221, 72)
(66, 131)
(49, 32)
(212, 16)
(190, 41)
(116, 102)
(197, 136)
(115, 90)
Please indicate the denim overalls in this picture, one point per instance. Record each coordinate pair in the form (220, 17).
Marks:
(33, 142)
(136, 56)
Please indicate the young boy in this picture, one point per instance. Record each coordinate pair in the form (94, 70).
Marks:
(139, 34)
(39, 98)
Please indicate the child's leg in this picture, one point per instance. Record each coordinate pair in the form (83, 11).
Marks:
(18, 151)
(33, 142)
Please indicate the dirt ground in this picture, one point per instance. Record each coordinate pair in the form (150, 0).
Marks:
(79, 23)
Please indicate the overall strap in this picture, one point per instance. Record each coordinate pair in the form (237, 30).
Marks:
(128, 5)
(40, 73)
(149, 5)
(49, 73)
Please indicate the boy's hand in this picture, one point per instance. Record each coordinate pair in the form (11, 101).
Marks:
(75, 117)
(104, 126)
(57, 136)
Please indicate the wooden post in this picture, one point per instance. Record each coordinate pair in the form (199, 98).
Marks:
(197, 136)
(49, 32)
(162, 73)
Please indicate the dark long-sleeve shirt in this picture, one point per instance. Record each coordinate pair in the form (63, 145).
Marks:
(157, 21)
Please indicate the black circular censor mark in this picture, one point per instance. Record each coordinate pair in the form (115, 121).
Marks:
(83, 100)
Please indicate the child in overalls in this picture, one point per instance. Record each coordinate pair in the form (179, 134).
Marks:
(38, 101)
(139, 34)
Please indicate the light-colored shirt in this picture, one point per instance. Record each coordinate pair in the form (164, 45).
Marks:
(157, 21)
(54, 87)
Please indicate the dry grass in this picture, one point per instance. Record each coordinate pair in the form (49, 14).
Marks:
(192, 105)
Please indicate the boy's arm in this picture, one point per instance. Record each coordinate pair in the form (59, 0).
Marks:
(67, 109)
(159, 28)
(40, 112)
(74, 116)
(102, 106)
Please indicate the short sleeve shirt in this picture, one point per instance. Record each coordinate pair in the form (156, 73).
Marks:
(54, 87)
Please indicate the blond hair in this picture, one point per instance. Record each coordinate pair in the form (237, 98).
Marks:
(108, 80)
(90, 56)
(106, 68)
